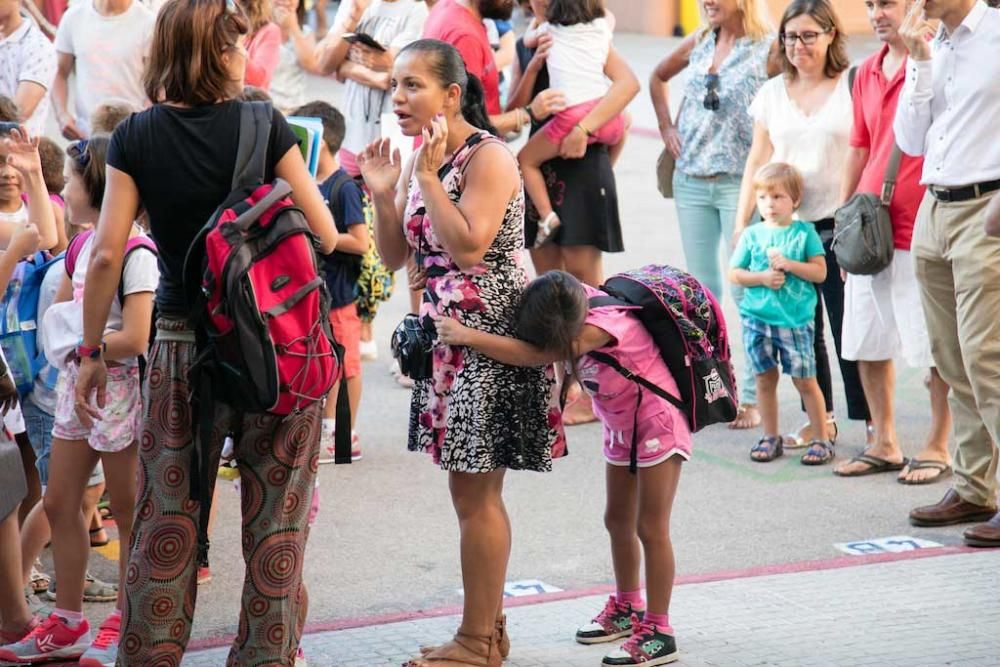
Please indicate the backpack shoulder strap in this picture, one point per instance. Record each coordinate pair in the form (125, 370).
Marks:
(851, 75)
(602, 301)
(338, 185)
(134, 243)
(73, 250)
(609, 360)
(255, 133)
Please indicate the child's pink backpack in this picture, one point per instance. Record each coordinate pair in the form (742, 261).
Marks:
(688, 327)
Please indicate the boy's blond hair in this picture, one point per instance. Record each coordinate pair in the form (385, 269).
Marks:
(780, 175)
(108, 114)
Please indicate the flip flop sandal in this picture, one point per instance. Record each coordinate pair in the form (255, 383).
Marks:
(944, 470)
(821, 452)
(875, 465)
(770, 446)
(546, 229)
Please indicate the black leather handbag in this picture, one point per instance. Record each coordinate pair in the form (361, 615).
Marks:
(412, 346)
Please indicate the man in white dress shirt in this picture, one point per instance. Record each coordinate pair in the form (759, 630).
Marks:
(949, 112)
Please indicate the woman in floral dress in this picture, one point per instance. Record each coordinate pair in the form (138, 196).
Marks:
(459, 211)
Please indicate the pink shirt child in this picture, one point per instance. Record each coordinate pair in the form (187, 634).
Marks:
(663, 430)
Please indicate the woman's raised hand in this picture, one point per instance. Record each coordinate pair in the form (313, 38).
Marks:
(430, 155)
(380, 166)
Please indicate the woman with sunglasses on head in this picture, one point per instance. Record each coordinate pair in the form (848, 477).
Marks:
(727, 61)
(195, 74)
(803, 118)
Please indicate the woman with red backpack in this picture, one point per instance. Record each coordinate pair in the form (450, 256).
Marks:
(177, 159)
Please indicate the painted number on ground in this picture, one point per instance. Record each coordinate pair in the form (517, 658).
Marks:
(517, 589)
(882, 545)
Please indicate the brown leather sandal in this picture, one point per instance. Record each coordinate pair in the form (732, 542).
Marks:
(464, 650)
(503, 639)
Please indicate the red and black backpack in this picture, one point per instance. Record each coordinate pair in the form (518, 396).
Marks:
(259, 305)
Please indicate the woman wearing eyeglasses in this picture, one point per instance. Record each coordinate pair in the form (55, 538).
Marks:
(803, 118)
(727, 62)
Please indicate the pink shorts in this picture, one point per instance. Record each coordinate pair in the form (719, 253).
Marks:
(121, 419)
(659, 438)
(563, 123)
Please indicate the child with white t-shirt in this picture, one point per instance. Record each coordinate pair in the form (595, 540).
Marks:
(581, 41)
(78, 442)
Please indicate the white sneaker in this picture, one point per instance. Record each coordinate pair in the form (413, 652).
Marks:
(369, 350)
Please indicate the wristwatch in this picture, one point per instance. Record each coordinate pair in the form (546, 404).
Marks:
(87, 352)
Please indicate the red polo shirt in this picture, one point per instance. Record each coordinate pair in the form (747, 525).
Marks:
(452, 23)
(875, 100)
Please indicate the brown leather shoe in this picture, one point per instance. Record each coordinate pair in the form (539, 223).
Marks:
(984, 535)
(951, 510)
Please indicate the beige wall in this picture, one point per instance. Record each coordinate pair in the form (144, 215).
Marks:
(659, 17)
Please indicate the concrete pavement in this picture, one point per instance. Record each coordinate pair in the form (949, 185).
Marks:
(904, 611)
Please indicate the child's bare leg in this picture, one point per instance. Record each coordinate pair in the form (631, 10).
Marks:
(822, 451)
(535, 153)
(812, 396)
(767, 400)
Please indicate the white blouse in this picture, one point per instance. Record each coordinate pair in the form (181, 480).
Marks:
(816, 145)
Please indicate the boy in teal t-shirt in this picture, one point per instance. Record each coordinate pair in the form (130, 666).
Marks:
(777, 262)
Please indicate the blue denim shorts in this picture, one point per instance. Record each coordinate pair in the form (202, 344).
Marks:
(767, 345)
(38, 424)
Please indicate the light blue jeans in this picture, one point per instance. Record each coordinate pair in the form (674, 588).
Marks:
(706, 209)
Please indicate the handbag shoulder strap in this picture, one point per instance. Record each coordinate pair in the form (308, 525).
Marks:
(891, 172)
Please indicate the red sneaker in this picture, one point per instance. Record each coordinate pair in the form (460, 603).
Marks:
(104, 651)
(52, 640)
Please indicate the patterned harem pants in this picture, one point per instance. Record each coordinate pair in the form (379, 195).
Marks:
(277, 460)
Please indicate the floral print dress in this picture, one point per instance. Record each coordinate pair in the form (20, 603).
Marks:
(475, 414)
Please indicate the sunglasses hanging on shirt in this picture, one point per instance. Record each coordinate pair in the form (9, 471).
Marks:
(711, 101)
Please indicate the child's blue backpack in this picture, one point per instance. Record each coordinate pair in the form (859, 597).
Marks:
(19, 321)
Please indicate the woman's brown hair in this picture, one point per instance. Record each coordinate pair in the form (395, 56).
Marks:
(190, 38)
(87, 160)
(820, 11)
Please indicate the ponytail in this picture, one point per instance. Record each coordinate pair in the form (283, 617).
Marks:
(447, 66)
(474, 104)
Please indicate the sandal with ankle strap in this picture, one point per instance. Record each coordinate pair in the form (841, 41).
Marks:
(820, 451)
(503, 639)
(475, 657)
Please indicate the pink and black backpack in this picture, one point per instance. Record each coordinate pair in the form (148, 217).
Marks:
(687, 325)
